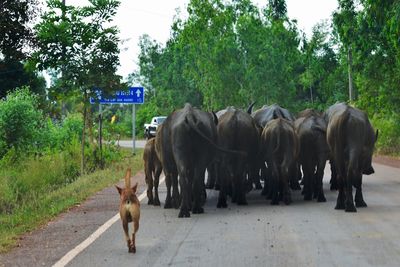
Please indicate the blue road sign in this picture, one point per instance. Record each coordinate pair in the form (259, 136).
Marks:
(134, 95)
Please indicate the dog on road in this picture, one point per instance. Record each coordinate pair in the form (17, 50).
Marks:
(129, 210)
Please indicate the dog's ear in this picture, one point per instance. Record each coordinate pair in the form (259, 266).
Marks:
(134, 188)
(119, 189)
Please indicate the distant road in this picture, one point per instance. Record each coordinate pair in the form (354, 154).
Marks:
(128, 143)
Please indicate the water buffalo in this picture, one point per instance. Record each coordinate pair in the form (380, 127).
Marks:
(236, 131)
(212, 169)
(313, 153)
(279, 146)
(164, 152)
(152, 168)
(262, 116)
(351, 140)
(188, 143)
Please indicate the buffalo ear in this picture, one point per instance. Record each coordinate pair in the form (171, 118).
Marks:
(119, 189)
(376, 135)
(134, 188)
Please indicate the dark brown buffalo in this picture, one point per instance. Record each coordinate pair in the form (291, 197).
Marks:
(279, 146)
(164, 153)
(236, 131)
(308, 112)
(212, 169)
(351, 139)
(188, 143)
(152, 170)
(313, 153)
(267, 113)
(262, 116)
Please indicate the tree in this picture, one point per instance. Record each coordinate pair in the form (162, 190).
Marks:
(80, 47)
(15, 33)
(345, 22)
(16, 41)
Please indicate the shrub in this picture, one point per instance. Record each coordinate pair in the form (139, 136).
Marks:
(389, 133)
(20, 121)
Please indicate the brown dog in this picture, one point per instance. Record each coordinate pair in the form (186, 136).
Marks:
(129, 210)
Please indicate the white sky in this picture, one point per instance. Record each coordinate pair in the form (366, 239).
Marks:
(154, 17)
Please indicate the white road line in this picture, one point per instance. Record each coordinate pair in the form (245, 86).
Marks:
(82, 246)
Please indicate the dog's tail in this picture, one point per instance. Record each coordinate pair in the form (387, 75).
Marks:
(128, 178)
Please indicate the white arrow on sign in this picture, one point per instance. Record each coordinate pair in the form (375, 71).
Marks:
(138, 93)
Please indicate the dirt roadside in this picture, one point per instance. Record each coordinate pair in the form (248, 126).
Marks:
(386, 160)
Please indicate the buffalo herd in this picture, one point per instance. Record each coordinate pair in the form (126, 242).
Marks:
(240, 148)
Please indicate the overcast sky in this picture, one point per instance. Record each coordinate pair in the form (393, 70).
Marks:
(154, 17)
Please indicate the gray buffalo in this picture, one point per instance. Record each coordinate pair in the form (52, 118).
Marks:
(351, 140)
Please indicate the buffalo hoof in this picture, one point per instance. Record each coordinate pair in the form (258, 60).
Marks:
(307, 197)
(176, 204)
(184, 214)
(209, 186)
(222, 204)
(339, 206)
(321, 198)
(156, 202)
(264, 192)
(333, 187)
(275, 202)
(258, 186)
(361, 204)
(242, 202)
(150, 202)
(217, 187)
(197, 210)
(350, 208)
(168, 204)
(295, 185)
(287, 200)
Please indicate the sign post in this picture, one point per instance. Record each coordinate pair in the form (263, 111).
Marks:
(133, 127)
(134, 95)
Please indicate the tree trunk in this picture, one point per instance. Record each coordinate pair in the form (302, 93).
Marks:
(83, 136)
(350, 70)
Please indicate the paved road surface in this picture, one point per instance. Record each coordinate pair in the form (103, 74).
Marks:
(128, 143)
(302, 234)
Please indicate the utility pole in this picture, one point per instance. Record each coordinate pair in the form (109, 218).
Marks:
(350, 71)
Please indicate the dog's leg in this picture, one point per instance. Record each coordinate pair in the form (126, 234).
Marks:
(135, 229)
(126, 232)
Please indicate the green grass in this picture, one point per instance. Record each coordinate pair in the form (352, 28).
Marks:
(43, 205)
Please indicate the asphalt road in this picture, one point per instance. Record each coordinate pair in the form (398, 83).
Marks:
(128, 143)
(302, 234)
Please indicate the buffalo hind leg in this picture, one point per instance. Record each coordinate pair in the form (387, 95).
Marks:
(359, 199)
(318, 180)
(340, 199)
(198, 186)
(156, 201)
(168, 199)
